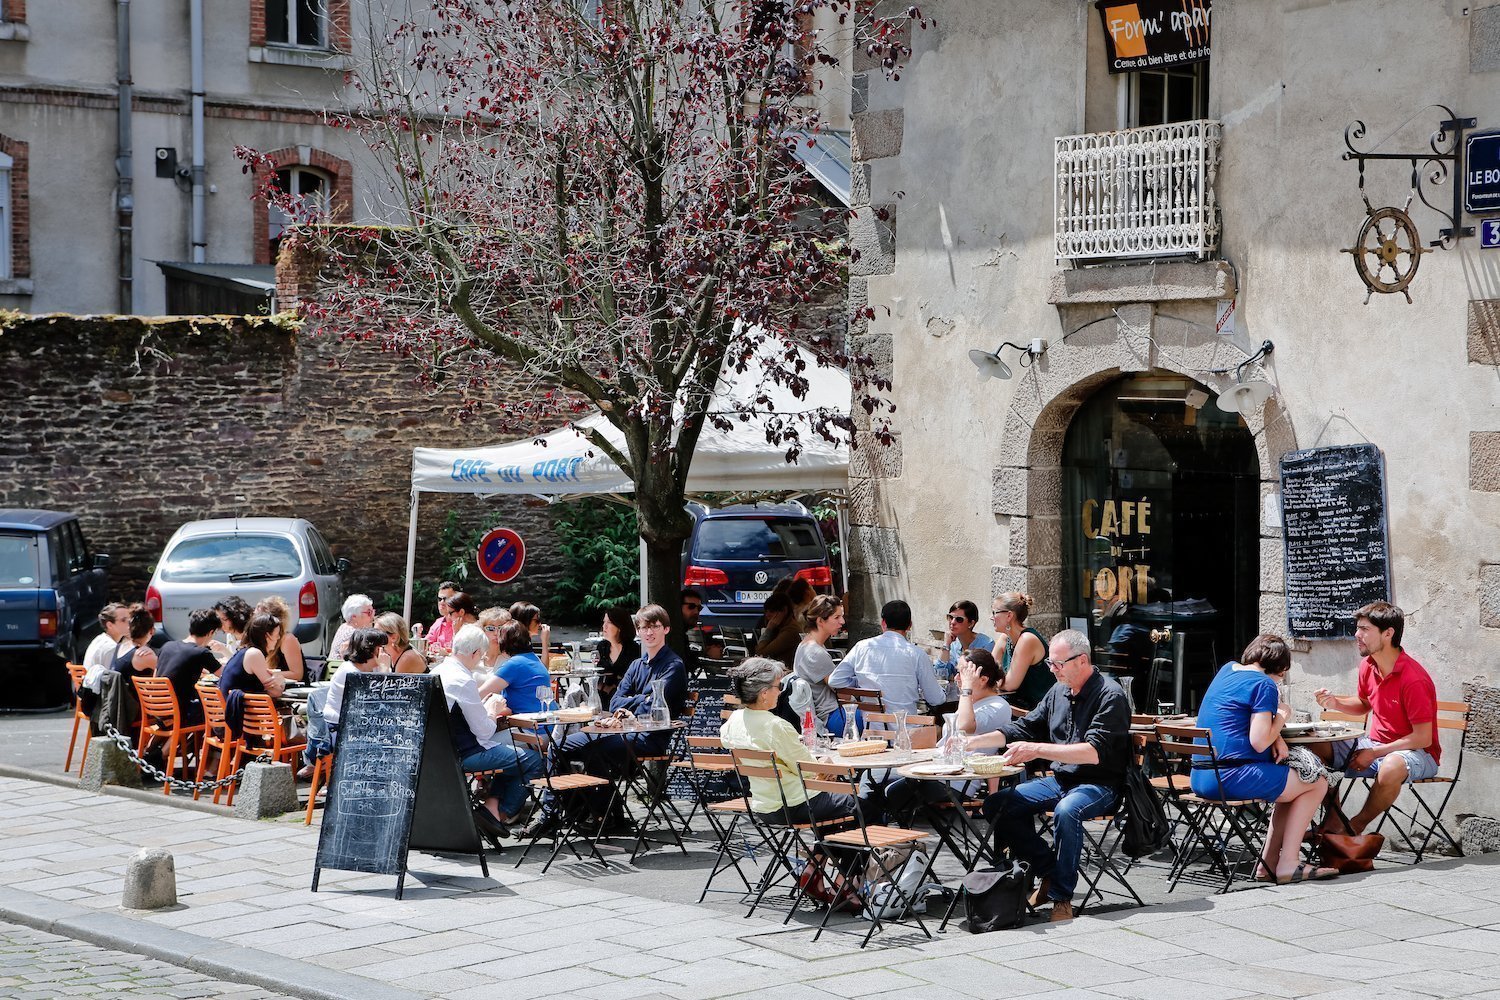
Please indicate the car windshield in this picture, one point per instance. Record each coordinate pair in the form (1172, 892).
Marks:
(748, 538)
(18, 561)
(216, 558)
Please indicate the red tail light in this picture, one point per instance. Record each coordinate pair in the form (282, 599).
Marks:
(46, 624)
(153, 604)
(818, 576)
(307, 600)
(705, 576)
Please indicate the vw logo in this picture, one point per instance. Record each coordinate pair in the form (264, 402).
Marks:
(761, 577)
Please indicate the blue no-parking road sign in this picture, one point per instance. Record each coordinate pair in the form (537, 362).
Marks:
(501, 555)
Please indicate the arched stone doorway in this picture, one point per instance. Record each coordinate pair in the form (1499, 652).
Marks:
(1028, 482)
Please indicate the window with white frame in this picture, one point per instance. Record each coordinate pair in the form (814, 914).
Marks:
(303, 23)
(1162, 96)
(7, 270)
(313, 192)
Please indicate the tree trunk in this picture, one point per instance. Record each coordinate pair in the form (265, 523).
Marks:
(665, 524)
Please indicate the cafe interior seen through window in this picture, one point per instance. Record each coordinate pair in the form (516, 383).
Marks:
(1161, 96)
(1160, 527)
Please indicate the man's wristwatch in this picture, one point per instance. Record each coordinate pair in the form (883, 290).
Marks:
(965, 692)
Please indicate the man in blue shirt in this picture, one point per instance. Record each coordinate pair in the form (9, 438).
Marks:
(890, 664)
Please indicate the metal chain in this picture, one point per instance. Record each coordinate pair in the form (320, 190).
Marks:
(178, 784)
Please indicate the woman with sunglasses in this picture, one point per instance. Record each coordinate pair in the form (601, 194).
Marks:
(958, 638)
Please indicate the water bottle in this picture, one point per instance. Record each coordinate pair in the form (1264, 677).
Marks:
(851, 722)
(810, 730)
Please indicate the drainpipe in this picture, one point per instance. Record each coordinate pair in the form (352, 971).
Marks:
(198, 232)
(124, 169)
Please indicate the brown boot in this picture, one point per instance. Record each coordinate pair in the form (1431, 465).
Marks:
(1061, 910)
(1039, 894)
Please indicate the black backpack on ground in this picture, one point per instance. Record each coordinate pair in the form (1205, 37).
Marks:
(995, 898)
(1147, 829)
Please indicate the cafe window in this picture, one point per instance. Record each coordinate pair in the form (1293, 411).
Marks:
(1161, 493)
(1159, 97)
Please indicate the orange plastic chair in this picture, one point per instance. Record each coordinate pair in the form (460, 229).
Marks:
(161, 720)
(76, 672)
(322, 771)
(261, 734)
(216, 736)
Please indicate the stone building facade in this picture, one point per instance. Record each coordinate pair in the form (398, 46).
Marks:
(975, 175)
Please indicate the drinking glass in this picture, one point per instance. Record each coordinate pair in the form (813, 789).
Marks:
(544, 695)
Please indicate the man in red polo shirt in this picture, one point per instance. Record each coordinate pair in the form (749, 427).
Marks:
(1401, 742)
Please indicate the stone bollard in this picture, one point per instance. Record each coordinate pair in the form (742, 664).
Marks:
(150, 880)
(108, 765)
(266, 790)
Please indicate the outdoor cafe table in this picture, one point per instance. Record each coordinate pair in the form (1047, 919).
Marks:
(1324, 732)
(955, 823)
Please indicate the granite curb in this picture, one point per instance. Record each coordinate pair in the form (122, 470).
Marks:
(216, 959)
(153, 795)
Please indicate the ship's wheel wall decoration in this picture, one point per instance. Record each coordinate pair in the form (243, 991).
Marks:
(1388, 249)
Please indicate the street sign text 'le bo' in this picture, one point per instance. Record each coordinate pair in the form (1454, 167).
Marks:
(1482, 173)
(501, 555)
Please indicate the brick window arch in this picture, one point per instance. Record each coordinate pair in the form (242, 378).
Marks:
(13, 11)
(302, 165)
(277, 22)
(15, 207)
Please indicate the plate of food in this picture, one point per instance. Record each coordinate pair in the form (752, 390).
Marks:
(1298, 728)
(937, 769)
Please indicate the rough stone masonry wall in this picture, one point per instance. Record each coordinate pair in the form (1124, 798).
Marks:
(143, 424)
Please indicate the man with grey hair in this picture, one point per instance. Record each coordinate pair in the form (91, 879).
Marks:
(359, 612)
(1083, 727)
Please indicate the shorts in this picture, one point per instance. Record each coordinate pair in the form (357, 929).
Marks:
(1419, 763)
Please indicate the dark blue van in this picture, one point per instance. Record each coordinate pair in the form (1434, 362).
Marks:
(51, 585)
(738, 553)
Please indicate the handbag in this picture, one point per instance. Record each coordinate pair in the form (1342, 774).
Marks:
(1348, 853)
(995, 898)
(815, 887)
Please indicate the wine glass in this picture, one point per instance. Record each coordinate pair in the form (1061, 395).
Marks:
(544, 695)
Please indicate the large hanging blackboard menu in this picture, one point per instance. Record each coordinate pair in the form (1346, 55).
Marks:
(1334, 528)
(396, 783)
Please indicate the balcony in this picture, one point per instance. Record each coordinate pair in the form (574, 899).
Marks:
(1141, 192)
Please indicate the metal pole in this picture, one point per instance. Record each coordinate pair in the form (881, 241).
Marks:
(838, 511)
(124, 168)
(198, 228)
(411, 557)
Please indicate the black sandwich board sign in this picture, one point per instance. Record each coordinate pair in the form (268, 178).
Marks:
(397, 785)
(1334, 531)
(1482, 173)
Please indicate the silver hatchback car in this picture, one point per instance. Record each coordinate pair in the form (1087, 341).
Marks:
(254, 558)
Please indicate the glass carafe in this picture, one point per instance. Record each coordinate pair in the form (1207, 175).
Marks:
(903, 734)
(591, 694)
(660, 715)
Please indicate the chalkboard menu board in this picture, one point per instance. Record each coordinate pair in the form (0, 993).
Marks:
(396, 783)
(1334, 528)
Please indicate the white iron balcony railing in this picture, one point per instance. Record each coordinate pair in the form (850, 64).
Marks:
(1141, 192)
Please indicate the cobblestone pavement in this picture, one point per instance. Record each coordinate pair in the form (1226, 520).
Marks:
(38, 965)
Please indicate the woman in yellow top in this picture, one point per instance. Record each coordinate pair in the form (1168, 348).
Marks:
(757, 684)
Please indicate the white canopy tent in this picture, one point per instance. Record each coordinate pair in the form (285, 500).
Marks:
(563, 464)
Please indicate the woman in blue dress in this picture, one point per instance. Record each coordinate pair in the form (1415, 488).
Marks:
(1244, 712)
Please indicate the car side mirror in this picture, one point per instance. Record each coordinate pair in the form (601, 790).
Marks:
(101, 560)
(342, 565)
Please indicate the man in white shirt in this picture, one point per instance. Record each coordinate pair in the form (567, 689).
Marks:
(890, 664)
(101, 652)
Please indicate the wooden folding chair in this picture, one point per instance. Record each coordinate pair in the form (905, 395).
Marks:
(1217, 829)
(865, 699)
(923, 728)
(161, 720)
(1423, 818)
(216, 736)
(564, 788)
(708, 762)
(75, 674)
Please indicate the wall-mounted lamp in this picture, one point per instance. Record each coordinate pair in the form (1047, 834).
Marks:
(991, 366)
(1247, 397)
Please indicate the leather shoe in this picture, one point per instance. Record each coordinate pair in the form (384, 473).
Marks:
(488, 825)
(1061, 910)
(1039, 894)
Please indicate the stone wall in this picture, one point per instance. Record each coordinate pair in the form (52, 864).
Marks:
(143, 424)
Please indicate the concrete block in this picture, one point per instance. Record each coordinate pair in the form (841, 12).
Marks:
(859, 94)
(1273, 613)
(1484, 461)
(1007, 578)
(1484, 331)
(860, 175)
(1044, 541)
(1272, 566)
(880, 348)
(1479, 835)
(1484, 720)
(1008, 490)
(150, 880)
(108, 765)
(873, 460)
(864, 502)
(266, 790)
(872, 240)
(1020, 544)
(1484, 40)
(875, 135)
(1044, 491)
(875, 551)
(1489, 595)
(1168, 281)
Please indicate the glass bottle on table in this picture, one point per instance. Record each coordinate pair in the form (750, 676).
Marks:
(851, 722)
(660, 714)
(903, 733)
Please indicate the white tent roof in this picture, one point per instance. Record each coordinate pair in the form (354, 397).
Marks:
(563, 463)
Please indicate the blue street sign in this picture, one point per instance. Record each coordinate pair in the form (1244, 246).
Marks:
(1482, 173)
(1489, 233)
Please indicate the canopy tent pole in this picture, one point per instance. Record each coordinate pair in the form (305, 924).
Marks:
(643, 573)
(838, 512)
(411, 556)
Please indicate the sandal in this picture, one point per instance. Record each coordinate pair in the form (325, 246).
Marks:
(1307, 873)
(1263, 873)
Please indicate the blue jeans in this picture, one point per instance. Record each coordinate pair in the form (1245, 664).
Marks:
(1014, 812)
(517, 766)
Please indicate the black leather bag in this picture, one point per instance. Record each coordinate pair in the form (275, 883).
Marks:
(995, 898)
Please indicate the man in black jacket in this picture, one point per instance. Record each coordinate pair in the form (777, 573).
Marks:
(1083, 727)
(184, 663)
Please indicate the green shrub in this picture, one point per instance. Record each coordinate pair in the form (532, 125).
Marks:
(600, 546)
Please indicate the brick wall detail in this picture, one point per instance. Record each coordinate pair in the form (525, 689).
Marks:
(297, 425)
(13, 11)
(339, 24)
(20, 205)
(341, 201)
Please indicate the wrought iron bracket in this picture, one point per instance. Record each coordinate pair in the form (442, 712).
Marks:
(1428, 167)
